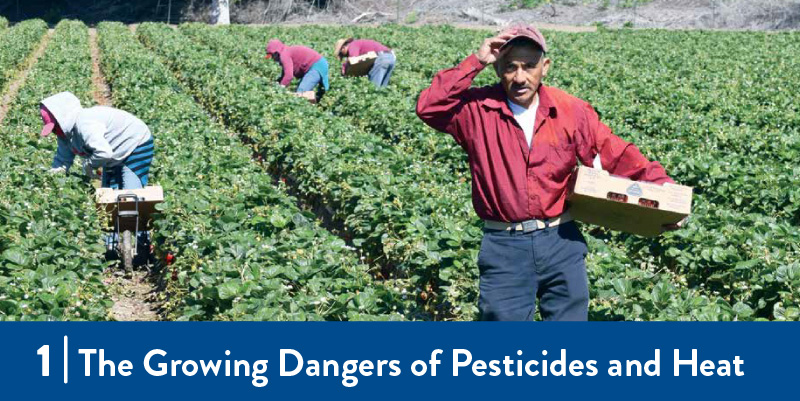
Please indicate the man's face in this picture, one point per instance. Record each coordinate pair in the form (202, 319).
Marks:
(520, 70)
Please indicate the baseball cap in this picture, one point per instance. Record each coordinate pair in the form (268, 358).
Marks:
(525, 31)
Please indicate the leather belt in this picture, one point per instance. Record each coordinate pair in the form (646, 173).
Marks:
(528, 225)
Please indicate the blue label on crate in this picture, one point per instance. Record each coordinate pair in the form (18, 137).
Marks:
(634, 190)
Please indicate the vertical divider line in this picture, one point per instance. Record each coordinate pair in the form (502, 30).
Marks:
(66, 360)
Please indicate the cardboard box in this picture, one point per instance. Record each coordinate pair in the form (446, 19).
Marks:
(311, 96)
(360, 66)
(635, 207)
(106, 199)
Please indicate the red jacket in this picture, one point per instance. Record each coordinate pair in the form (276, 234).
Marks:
(363, 46)
(295, 60)
(511, 182)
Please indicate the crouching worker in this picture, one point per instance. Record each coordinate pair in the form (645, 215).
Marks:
(524, 139)
(383, 66)
(303, 63)
(104, 137)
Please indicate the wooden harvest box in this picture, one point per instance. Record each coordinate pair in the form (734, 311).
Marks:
(106, 199)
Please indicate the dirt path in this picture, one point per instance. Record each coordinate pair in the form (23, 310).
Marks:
(101, 92)
(464, 25)
(12, 90)
(540, 25)
(134, 296)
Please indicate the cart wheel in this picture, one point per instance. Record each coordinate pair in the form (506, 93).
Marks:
(127, 251)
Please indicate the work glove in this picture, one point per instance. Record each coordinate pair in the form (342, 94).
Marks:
(88, 170)
(57, 170)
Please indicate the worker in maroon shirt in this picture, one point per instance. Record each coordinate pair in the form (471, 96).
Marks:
(523, 140)
(383, 66)
(300, 62)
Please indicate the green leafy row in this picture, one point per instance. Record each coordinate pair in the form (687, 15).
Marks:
(752, 189)
(393, 207)
(367, 108)
(244, 250)
(50, 237)
(349, 157)
(15, 44)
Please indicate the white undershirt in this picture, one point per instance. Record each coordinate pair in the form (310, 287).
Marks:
(526, 117)
(527, 120)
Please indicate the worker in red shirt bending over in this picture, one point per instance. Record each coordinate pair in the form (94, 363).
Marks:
(383, 66)
(524, 139)
(300, 62)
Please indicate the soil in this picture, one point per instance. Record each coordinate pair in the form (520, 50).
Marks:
(12, 89)
(549, 27)
(134, 295)
(667, 14)
(561, 15)
(101, 92)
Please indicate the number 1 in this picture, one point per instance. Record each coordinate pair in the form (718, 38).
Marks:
(45, 353)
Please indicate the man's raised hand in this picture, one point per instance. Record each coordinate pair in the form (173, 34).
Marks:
(489, 51)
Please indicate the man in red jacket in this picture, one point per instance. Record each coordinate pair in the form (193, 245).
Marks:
(300, 62)
(383, 66)
(524, 139)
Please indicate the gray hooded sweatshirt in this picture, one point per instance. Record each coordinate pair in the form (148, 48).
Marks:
(104, 135)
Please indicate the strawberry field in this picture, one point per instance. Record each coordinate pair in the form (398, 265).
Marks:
(353, 209)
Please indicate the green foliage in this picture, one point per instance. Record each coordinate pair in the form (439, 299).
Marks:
(244, 250)
(411, 17)
(50, 238)
(406, 215)
(712, 264)
(717, 114)
(529, 3)
(15, 45)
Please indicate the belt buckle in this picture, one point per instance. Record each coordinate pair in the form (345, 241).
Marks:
(529, 225)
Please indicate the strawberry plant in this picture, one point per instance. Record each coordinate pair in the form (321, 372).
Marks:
(243, 250)
(444, 268)
(15, 45)
(50, 237)
(379, 224)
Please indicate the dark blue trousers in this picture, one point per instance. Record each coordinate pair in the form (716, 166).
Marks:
(519, 268)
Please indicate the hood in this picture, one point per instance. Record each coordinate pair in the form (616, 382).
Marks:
(275, 46)
(64, 107)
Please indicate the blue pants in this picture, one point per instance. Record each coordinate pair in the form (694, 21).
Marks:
(121, 174)
(131, 174)
(316, 75)
(518, 268)
(382, 70)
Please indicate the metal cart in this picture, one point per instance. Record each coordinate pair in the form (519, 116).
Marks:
(131, 212)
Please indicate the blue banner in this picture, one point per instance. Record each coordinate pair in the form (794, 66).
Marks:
(205, 360)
